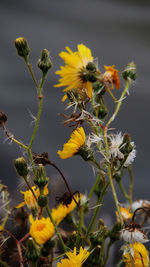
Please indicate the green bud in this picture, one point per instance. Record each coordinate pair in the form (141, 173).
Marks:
(91, 67)
(41, 180)
(100, 112)
(129, 72)
(86, 153)
(114, 232)
(22, 47)
(126, 147)
(21, 167)
(45, 250)
(91, 77)
(33, 252)
(118, 175)
(42, 201)
(99, 89)
(44, 62)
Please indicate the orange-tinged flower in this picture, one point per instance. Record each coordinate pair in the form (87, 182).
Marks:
(75, 260)
(62, 211)
(111, 76)
(71, 73)
(41, 230)
(29, 198)
(76, 141)
(139, 253)
(126, 215)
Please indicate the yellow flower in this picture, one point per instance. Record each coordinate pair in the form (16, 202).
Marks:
(126, 215)
(77, 140)
(71, 73)
(140, 256)
(74, 259)
(111, 76)
(29, 198)
(62, 211)
(41, 230)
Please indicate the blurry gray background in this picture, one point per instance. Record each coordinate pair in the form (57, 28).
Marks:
(117, 32)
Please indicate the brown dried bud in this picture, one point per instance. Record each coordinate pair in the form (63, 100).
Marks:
(3, 118)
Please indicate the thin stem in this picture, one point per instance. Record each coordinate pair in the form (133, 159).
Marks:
(131, 183)
(31, 72)
(81, 214)
(56, 229)
(29, 186)
(94, 186)
(110, 177)
(119, 103)
(95, 212)
(124, 192)
(107, 253)
(12, 138)
(39, 111)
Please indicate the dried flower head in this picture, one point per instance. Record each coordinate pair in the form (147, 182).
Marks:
(74, 259)
(111, 76)
(133, 233)
(114, 149)
(72, 73)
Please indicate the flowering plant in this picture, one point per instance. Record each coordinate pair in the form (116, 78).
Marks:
(110, 154)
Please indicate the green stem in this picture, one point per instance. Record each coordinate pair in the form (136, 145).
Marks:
(124, 192)
(81, 214)
(31, 72)
(110, 177)
(29, 186)
(94, 186)
(39, 111)
(107, 253)
(119, 103)
(95, 212)
(131, 183)
(56, 229)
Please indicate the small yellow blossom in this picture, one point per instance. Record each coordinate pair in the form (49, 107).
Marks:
(71, 73)
(111, 76)
(76, 141)
(41, 230)
(62, 211)
(139, 253)
(75, 260)
(29, 198)
(126, 215)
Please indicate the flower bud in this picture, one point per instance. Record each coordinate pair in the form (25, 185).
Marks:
(118, 175)
(99, 88)
(100, 112)
(44, 62)
(3, 118)
(91, 67)
(22, 47)
(33, 252)
(42, 201)
(126, 147)
(86, 153)
(21, 167)
(41, 180)
(129, 72)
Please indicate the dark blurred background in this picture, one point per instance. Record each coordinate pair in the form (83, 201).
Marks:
(117, 32)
